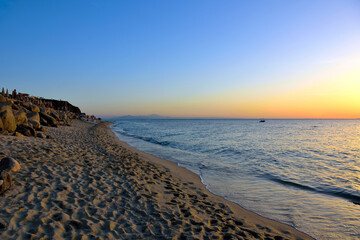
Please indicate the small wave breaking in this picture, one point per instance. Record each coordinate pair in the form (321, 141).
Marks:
(337, 193)
(147, 139)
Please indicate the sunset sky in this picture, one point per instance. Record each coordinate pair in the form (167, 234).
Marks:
(239, 59)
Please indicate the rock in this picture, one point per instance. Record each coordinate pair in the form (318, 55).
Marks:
(41, 129)
(20, 117)
(9, 165)
(5, 106)
(49, 119)
(41, 135)
(49, 137)
(35, 124)
(63, 116)
(26, 130)
(7, 182)
(3, 224)
(17, 134)
(54, 114)
(8, 120)
(34, 108)
(45, 110)
(2, 98)
(33, 115)
(44, 122)
(15, 107)
(25, 105)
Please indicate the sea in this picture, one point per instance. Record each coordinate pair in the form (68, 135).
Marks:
(305, 173)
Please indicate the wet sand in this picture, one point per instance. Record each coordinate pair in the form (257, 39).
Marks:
(87, 184)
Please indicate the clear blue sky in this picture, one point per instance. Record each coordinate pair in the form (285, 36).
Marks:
(175, 57)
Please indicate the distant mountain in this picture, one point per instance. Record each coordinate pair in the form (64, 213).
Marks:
(152, 116)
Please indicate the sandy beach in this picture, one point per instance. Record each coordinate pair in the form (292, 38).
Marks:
(87, 184)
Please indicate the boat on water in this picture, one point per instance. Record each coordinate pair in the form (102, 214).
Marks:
(262, 120)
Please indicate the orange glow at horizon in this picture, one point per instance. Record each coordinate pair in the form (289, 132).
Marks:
(337, 97)
(333, 93)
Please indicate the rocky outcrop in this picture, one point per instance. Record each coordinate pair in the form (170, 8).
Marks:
(23, 115)
(63, 105)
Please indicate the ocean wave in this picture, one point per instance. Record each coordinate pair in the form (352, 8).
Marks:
(342, 193)
(146, 139)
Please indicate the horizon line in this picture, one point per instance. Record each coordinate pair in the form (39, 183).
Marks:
(230, 118)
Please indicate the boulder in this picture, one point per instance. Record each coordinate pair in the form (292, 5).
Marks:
(45, 110)
(33, 115)
(17, 134)
(6, 181)
(41, 135)
(41, 129)
(34, 108)
(7, 105)
(15, 107)
(9, 165)
(20, 117)
(25, 105)
(35, 124)
(48, 119)
(26, 130)
(44, 122)
(67, 122)
(63, 116)
(54, 114)
(8, 120)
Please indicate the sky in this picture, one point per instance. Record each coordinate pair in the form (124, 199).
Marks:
(236, 59)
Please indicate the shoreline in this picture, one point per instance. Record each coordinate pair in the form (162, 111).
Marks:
(87, 182)
(183, 173)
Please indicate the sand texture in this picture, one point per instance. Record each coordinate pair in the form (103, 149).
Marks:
(86, 184)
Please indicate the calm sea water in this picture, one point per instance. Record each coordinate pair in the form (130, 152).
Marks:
(305, 173)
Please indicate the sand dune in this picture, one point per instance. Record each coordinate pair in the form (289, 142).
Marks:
(86, 184)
